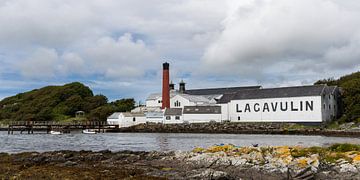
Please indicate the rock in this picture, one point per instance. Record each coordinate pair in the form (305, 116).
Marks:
(348, 168)
(69, 163)
(212, 174)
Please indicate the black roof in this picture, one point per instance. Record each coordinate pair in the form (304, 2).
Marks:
(211, 91)
(295, 91)
(202, 109)
(173, 112)
(226, 98)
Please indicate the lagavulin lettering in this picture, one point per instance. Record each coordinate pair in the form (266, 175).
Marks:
(277, 106)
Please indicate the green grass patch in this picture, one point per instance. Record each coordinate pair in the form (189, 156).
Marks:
(307, 151)
(344, 147)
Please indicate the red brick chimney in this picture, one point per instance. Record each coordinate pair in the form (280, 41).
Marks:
(165, 87)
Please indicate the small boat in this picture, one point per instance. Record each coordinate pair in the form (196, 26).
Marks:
(56, 132)
(88, 131)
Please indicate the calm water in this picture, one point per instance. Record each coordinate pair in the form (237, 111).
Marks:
(151, 141)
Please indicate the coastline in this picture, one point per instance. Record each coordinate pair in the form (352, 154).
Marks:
(234, 128)
(216, 162)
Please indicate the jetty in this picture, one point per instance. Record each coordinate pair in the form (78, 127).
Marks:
(31, 126)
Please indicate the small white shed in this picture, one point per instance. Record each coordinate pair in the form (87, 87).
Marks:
(126, 119)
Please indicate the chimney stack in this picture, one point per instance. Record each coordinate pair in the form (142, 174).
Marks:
(182, 86)
(172, 86)
(166, 86)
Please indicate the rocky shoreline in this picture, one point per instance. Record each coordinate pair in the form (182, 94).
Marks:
(240, 128)
(216, 162)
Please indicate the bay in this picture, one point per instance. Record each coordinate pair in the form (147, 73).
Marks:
(152, 141)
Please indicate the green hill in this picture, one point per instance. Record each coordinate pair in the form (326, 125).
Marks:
(58, 103)
(350, 85)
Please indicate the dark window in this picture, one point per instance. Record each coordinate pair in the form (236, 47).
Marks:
(177, 104)
(329, 96)
(324, 106)
(177, 117)
(329, 106)
(168, 117)
(134, 119)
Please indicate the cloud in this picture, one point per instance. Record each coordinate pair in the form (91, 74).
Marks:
(124, 57)
(40, 65)
(286, 36)
(208, 43)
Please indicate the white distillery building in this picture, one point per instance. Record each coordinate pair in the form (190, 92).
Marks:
(300, 104)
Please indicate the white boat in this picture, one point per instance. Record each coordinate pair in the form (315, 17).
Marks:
(56, 132)
(88, 131)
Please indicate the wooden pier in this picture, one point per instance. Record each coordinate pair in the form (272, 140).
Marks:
(31, 126)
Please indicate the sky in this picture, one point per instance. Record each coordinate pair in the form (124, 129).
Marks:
(117, 47)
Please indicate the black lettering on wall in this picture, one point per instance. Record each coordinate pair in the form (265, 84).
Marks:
(292, 107)
(283, 108)
(309, 105)
(247, 108)
(274, 107)
(266, 106)
(301, 105)
(256, 107)
(237, 108)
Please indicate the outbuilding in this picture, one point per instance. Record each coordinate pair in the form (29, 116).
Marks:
(173, 116)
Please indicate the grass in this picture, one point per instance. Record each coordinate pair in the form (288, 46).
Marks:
(344, 147)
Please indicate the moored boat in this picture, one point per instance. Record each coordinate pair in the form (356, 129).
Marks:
(56, 132)
(88, 131)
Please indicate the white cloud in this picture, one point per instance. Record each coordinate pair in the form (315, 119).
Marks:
(277, 34)
(114, 59)
(124, 57)
(40, 65)
(271, 42)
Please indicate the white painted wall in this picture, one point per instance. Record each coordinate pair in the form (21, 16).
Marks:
(173, 120)
(183, 102)
(153, 103)
(278, 115)
(202, 118)
(225, 112)
(124, 121)
(155, 119)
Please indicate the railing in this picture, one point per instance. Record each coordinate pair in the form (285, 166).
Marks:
(54, 123)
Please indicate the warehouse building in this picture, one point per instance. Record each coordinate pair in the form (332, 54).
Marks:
(301, 104)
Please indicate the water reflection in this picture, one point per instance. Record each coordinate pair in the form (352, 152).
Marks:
(163, 142)
(152, 141)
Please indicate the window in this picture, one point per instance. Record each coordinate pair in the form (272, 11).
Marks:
(329, 96)
(239, 118)
(177, 104)
(177, 117)
(324, 106)
(168, 117)
(134, 119)
(329, 106)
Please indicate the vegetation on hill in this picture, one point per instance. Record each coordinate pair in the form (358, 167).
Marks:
(350, 85)
(60, 103)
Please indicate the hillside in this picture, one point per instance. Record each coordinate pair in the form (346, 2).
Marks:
(350, 85)
(59, 103)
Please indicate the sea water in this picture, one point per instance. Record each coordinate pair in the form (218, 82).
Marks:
(152, 141)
